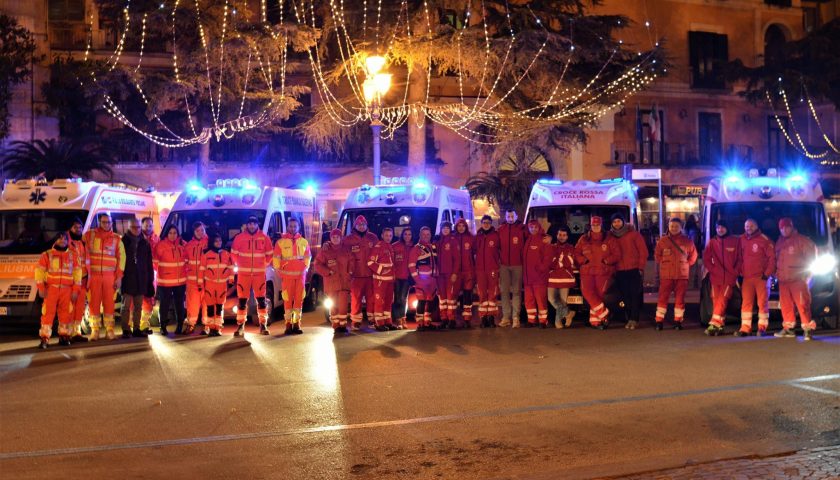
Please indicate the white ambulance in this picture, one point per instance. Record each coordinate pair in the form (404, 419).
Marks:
(766, 195)
(224, 207)
(34, 211)
(405, 202)
(572, 203)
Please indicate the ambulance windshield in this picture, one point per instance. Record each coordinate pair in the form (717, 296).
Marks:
(226, 222)
(808, 218)
(398, 218)
(30, 232)
(576, 217)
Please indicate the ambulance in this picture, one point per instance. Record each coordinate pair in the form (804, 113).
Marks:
(34, 211)
(766, 195)
(554, 203)
(224, 207)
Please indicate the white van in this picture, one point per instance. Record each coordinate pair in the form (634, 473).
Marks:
(554, 203)
(405, 202)
(766, 195)
(224, 207)
(34, 211)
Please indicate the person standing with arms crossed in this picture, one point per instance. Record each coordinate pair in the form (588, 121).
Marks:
(138, 279)
(675, 253)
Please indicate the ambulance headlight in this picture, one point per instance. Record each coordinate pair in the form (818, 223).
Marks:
(733, 186)
(235, 309)
(248, 198)
(823, 264)
(414, 305)
(796, 184)
(328, 303)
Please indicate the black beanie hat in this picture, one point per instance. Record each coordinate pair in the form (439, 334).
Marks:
(618, 216)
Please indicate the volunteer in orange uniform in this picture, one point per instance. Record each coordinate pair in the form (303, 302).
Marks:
(105, 264)
(147, 226)
(58, 276)
(80, 305)
(216, 276)
(794, 254)
(401, 276)
(449, 267)
(722, 258)
(466, 274)
(194, 249)
(334, 264)
(381, 263)
(170, 261)
(596, 254)
(291, 261)
(359, 243)
(561, 277)
(536, 260)
(252, 252)
(758, 263)
(675, 253)
(423, 268)
(487, 261)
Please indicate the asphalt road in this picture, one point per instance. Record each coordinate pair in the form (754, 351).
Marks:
(477, 404)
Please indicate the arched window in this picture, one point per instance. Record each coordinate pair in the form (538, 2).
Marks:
(774, 44)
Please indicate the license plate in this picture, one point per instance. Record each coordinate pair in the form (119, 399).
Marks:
(574, 300)
(4, 310)
(774, 304)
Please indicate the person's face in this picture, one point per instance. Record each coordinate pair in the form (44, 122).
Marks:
(407, 236)
(486, 224)
(200, 232)
(595, 228)
(217, 242)
(617, 223)
(750, 227)
(251, 226)
(510, 216)
(387, 236)
(172, 235)
(61, 241)
(426, 236)
(562, 236)
(105, 223)
(134, 227)
(533, 229)
(445, 231)
(362, 227)
(674, 228)
(76, 229)
(293, 227)
(461, 228)
(148, 227)
(787, 231)
(335, 239)
(721, 230)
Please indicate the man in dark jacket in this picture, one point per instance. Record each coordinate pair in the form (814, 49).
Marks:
(138, 278)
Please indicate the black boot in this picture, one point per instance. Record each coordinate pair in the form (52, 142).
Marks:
(491, 321)
(139, 333)
(658, 326)
(264, 330)
(289, 330)
(163, 330)
(45, 343)
(453, 325)
(126, 333)
(64, 340)
(214, 333)
(296, 330)
(79, 339)
(678, 326)
(240, 330)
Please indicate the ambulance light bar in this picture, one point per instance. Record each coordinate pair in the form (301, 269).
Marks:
(549, 181)
(611, 180)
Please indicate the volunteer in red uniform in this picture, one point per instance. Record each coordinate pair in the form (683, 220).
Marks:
(381, 263)
(536, 261)
(195, 296)
(359, 243)
(466, 275)
(402, 278)
(596, 255)
(58, 277)
(105, 264)
(80, 305)
(512, 236)
(449, 267)
(216, 276)
(252, 252)
(722, 258)
(291, 261)
(334, 264)
(675, 254)
(758, 263)
(561, 277)
(487, 264)
(147, 227)
(794, 254)
(423, 268)
(170, 261)
(630, 269)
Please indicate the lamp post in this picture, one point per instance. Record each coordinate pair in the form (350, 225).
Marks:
(375, 86)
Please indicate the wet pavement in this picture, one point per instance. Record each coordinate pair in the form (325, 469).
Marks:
(467, 404)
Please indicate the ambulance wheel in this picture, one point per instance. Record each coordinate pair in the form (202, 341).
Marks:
(705, 302)
(310, 301)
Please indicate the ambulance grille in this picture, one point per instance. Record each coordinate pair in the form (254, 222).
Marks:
(17, 292)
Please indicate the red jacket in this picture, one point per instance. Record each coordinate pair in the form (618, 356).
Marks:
(561, 272)
(251, 252)
(794, 255)
(758, 256)
(537, 259)
(466, 245)
(194, 250)
(401, 251)
(633, 253)
(487, 251)
(675, 255)
(170, 261)
(334, 264)
(512, 236)
(421, 261)
(722, 258)
(381, 261)
(448, 254)
(596, 254)
(359, 247)
(79, 249)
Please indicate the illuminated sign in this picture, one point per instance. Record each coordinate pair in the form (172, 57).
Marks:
(687, 190)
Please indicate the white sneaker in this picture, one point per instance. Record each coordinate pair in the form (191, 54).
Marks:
(504, 323)
(516, 324)
(110, 335)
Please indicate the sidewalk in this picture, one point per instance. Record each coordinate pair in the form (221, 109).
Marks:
(817, 464)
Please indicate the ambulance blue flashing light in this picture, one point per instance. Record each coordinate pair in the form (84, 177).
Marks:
(310, 189)
(549, 181)
(421, 184)
(611, 180)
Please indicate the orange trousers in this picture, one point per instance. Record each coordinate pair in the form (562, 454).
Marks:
(754, 290)
(383, 299)
(195, 299)
(536, 303)
(58, 302)
(721, 294)
(666, 286)
(487, 284)
(244, 285)
(293, 293)
(341, 302)
(102, 298)
(796, 296)
(593, 288)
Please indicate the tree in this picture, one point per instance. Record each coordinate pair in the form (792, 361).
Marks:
(68, 99)
(55, 159)
(17, 48)
(508, 188)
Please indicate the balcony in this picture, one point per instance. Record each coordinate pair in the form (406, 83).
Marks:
(74, 36)
(69, 36)
(678, 154)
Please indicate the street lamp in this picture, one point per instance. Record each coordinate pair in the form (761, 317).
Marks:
(375, 86)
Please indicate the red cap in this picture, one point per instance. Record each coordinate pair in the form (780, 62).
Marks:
(596, 221)
(785, 222)
(335, 232)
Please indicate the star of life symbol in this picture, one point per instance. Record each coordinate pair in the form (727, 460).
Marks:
(37, 196)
